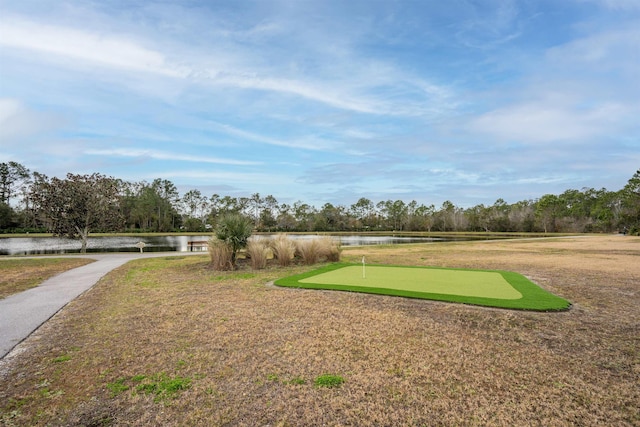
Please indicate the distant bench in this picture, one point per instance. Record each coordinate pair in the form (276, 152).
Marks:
(196, 245)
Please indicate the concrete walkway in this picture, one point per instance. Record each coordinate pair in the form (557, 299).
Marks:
(23, 313)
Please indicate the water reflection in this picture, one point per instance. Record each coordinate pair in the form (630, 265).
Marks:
(57, 245)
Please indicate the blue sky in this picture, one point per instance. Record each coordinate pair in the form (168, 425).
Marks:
(327, 101)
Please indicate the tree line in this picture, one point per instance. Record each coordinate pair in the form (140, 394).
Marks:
(79, 204)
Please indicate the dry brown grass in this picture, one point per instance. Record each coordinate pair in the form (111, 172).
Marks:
(330, 248)
(220, 254)
(17, 275)
(258, 253)
(283, 249)
(308, 250)
(318, 249)
(247, 346)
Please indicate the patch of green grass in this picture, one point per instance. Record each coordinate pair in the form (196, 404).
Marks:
(328, 381)
(50, 394)
(13, 407)
(233, 275)
(532, 296)
(117, 387)
(164, 387)
(63, 358)
(296, 381)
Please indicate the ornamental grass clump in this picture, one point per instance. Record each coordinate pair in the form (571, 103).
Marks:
(330, 249)
(312, 251)
(308, 251)
(220, 253)
(258, 253)
(283, 249)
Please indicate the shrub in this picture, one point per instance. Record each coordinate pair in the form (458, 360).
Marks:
(258, 251)
(283, 249)
(220, 253)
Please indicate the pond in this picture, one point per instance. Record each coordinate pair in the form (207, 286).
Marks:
(179, 243)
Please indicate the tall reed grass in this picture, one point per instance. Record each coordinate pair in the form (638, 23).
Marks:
(283, 249)
(312, 251)
(258, 253)
(331, 248)
(221, 254)
(308, 251)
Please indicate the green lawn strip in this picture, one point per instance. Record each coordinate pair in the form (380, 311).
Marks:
(533, 297)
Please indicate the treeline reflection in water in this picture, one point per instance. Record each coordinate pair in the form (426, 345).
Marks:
(179, 243)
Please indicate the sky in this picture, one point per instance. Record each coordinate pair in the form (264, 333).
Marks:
(327, 101)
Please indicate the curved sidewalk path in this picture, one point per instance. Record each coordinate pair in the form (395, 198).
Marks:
(21, 314)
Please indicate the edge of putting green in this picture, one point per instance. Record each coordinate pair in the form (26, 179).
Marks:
(534, 298)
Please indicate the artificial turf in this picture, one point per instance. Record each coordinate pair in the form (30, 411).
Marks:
(493, 288)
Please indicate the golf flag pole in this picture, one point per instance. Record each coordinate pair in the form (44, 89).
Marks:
(363, 271)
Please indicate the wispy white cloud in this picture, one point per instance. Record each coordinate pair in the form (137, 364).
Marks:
(580, 91)
(628, 5)
(8, 108)
(257, 179)
(239, 69)
(306, 90)
(87, 46)
(17, 121)
(489, 27)
(306, 142)
(609, 49)
(557, 179)
(541, 122)
(164, 155)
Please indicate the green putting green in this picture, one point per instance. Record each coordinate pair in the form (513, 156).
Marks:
(495, 288)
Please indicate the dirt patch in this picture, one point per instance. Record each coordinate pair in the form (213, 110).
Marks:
(252, 352)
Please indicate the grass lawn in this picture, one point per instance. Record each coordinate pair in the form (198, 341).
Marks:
(17, 275)
(503, 289)
(170, 342)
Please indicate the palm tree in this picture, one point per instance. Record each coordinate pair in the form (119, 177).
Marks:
(235, 230)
